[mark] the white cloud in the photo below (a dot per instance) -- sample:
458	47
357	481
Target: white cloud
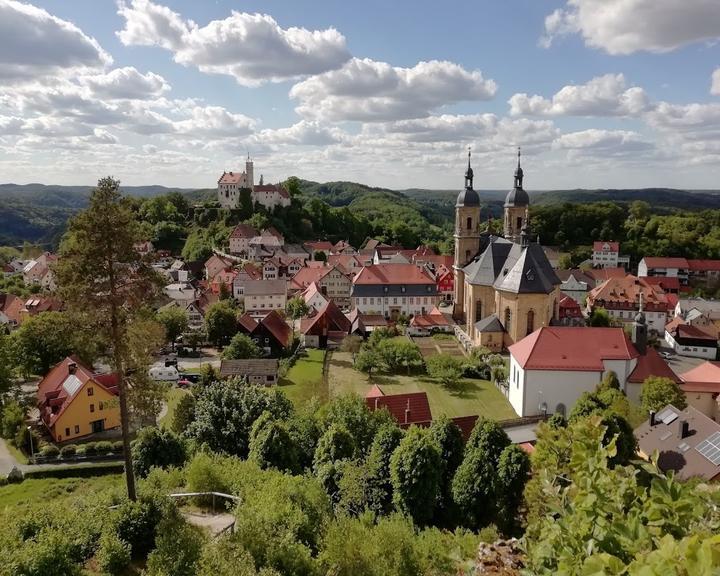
303	133
34	43
126	83
715	83
371	91
627	26
620	143
215	121
687	119
252	48
602	96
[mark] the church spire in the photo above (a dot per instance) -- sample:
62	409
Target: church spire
518	172
469	173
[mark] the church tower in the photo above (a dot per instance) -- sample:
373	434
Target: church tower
467	236
517	203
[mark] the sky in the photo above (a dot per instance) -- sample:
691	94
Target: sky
597	93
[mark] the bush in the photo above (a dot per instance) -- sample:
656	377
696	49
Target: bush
68	451
137	523
50	451
83	471
178	550
90	449
118	447
13	419
104	447
155	447
113	556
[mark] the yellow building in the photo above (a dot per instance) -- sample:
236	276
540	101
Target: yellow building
75	402
500	281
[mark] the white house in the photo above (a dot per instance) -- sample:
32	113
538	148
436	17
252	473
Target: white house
607	255
265	295
239	242
689	340
667	267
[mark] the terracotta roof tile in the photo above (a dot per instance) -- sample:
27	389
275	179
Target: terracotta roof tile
392	274
664	262
651	364
606	246
407	409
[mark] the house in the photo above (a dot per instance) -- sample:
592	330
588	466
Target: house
569	312
687	340
445	280
607	255
669	285
350	264
406	409
426	324
575	283
223	280
270	332
686	441
552	367
621	298
244	274
702	388
10	310
710	308
216	264
332	281
240	239
390	290
264	295
194	313
38	305
343	247
704	271
364	324
326	326
260	371
265	244
183	293
668	267
319	246
38	272
600	275
313	297
75	402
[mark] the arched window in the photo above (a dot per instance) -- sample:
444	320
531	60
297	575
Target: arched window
469	223
530	321
467	255
478	310
560	409
508	319
519	222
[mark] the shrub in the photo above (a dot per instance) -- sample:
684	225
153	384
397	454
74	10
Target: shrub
50	451
104	447
118	447
137	523
155	447
90	449
179	547
68	451
13	419
113	556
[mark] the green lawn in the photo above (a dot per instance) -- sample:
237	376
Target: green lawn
19	455
45	489
468	398
173	397
304	380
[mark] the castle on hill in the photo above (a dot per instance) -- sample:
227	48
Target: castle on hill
231	184
505	287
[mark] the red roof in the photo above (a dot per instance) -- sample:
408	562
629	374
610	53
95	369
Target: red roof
231	177
572	348
323	245
568	303
435	318
651	364
374	392
694	332
278	328
606	246
601	274
466	425
393	274
702	378
307	275
243	231
671	283
247	322
271	188
672	300
60	386
625	293
328	319
412	408
704	265
663	262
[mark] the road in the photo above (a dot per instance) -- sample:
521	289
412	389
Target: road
7	460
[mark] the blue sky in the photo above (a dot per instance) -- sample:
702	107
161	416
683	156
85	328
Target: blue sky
599	93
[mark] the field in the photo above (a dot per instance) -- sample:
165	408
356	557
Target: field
173	397
468	398
430	346
43	489
305	379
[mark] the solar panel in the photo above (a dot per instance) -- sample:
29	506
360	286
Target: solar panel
660	415
670	417
72	384
710	448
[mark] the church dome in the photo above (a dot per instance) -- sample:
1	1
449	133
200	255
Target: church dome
468	197
517	197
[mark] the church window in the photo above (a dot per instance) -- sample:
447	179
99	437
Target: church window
530	321
478	310
508	319
519	222
467	255
469	223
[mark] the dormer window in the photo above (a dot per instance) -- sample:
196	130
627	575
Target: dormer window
402	288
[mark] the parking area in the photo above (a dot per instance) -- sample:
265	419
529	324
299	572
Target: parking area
679	364
430	346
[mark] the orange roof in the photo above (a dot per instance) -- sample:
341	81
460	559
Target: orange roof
651	364
393	274
374	392
271	188
702	378
308	275
434	318
625	292
572	348
243	231
663	262
231	177
601	274
611	246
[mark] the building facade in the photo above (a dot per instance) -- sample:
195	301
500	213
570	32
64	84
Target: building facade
231	186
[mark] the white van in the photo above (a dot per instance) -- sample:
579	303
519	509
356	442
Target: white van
164	373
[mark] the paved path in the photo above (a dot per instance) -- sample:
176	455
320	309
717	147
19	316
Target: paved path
7	460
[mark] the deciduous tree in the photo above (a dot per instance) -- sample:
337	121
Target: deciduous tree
241	347
445	368
221	322
175	322
297	308
658	392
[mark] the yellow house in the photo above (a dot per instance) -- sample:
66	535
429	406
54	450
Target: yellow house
75	402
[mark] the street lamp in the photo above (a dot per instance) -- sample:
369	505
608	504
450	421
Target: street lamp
32	453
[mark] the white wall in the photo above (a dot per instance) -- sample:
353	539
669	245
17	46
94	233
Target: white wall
383	305
692	351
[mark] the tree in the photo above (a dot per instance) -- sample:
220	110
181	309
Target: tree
445	368
600	318
145	395
367	360
351	413
226	411
208	376
320	256
609	382
335	444
272	446
175	322
103	277
658	392
154	447
7	363
221	322
396	354
379	486
415	475
184	414
241	347
297	308
488	437
512	475
473	489
448	438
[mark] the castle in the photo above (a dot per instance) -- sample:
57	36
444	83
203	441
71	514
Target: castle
505	288
231	184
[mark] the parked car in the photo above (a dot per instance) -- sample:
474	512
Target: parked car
184	383
193	378
666	355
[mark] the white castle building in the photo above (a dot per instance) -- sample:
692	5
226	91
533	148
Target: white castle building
231	184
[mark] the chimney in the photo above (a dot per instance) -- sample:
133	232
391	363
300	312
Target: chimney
652	418
72	367
407	412
684	429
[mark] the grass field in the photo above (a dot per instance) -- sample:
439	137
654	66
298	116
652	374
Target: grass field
173	397
468	398
304	380
44	489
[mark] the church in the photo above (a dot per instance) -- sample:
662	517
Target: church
505	287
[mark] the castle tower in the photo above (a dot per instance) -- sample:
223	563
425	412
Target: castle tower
249	173
467	236
517	203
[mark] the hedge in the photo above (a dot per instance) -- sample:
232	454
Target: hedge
80	471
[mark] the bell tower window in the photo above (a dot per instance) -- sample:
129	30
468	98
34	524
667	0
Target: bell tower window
508	319
469	223
530	321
